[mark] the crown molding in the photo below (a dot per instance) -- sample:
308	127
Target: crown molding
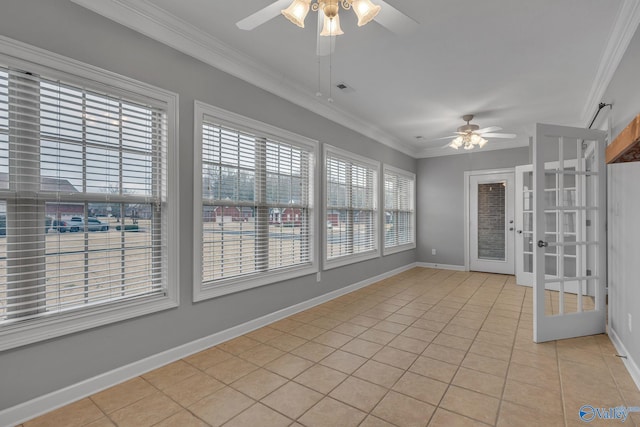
622	32
491	146
156	23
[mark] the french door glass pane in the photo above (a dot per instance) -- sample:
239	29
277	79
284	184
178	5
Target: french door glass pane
491	221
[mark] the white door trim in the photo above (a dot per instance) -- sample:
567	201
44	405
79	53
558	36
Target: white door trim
467	183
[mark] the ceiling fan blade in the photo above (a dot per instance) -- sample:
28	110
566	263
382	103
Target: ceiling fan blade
450	146
325	45
394	20
444	137
489	129
499	135
263	15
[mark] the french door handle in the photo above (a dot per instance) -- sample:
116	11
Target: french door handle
542	244
519	231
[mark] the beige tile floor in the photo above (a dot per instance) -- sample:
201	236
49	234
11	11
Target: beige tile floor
425	347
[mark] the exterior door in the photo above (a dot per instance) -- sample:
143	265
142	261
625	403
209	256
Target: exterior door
491	223
569	244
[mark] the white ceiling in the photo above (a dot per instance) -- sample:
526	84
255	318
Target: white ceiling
512	63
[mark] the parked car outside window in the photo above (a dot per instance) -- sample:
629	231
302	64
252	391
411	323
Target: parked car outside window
3	224
76	223
58	225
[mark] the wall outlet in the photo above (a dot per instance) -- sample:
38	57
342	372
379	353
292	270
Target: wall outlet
630	321
318	276
433	251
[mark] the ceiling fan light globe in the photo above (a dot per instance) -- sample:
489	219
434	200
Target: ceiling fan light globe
297	12
331	26
482	142
456	143
365	11
468	147
475	139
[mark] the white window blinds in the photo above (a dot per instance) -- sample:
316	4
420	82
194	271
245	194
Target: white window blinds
351	205
399	204
82	183
256	203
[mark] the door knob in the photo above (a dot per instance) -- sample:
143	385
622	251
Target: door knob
542	244
519	231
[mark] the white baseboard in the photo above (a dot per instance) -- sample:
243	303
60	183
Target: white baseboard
441	266
43	404
629	363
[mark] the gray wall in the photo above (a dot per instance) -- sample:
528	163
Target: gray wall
624	207
67	29
440	200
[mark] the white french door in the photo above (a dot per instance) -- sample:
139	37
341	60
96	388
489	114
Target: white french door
524	225
569	236
525	220
491	222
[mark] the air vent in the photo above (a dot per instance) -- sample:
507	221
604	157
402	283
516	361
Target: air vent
344	88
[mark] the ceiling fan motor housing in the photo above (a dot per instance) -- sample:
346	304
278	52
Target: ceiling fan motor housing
468	128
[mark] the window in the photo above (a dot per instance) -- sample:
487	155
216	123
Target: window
351	212
399	210
84	212
255	186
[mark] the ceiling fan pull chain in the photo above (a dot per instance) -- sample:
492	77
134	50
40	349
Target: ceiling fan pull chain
318	92
330	100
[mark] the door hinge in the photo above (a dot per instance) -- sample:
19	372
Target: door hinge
588	272
588	223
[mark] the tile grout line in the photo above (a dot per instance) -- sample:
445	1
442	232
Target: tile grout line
368	413
506	376
288	380
467	352
562	397
390	389
458	310
324	395
418	287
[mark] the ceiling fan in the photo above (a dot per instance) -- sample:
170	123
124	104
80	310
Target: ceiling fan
470	135
296	10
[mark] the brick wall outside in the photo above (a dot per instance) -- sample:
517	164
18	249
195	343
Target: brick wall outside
491	221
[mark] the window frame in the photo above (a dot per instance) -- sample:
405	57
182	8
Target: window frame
26	57
406	246
373	164
202	291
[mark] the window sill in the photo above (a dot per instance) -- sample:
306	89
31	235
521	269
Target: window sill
28	332
400	248
350	259
243	283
